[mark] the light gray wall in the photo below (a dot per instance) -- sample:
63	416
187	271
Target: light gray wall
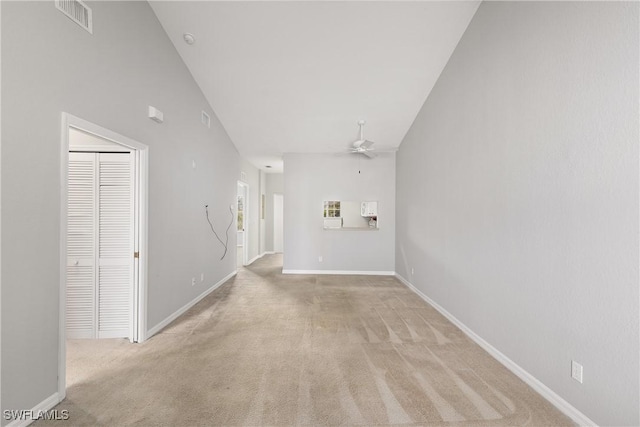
310	179
518	195
50	65
274	185
0	218
252	177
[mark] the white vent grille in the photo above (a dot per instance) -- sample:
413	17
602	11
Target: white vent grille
78	12
206	120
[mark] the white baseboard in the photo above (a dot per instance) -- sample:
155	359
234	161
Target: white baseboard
268	253
341	272
31	415
564	406
255	258
151	332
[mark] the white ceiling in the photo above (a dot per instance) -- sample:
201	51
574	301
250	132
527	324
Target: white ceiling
297	76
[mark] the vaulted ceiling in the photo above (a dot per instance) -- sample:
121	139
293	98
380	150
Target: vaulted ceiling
297	76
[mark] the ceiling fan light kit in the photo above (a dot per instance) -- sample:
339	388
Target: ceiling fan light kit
363	146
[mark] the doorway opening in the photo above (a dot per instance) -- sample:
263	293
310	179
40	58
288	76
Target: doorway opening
242	225
278	223
103	238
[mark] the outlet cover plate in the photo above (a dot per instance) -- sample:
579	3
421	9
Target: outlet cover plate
576	371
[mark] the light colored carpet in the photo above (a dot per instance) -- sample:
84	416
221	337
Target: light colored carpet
268	349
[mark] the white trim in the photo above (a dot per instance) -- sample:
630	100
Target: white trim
151	332
255	258
245	221
341	272
103	133
62	311
0	229
564	406
45	405
143	241
268	253
273	214
142	155
100	148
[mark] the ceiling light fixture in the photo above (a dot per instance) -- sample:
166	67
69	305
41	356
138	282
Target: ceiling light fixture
189	38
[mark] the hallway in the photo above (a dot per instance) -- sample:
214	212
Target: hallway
273	349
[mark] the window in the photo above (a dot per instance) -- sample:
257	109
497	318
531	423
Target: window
240	213
332	209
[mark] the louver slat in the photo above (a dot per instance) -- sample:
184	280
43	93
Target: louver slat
78	12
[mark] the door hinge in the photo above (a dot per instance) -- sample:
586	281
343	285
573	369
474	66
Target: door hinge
136	254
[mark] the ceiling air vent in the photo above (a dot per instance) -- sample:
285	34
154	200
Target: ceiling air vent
206	120
78	12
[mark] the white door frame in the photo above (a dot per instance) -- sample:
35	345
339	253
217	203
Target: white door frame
141	151
245	223
281	225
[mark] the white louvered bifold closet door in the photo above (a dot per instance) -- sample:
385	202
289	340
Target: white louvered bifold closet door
115	245
100	245
81	243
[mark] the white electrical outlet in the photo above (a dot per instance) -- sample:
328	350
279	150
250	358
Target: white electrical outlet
576	371
202	277
320	258
412	271
193	281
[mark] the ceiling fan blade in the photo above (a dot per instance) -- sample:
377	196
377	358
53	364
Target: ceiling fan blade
366	144
369	154
358	143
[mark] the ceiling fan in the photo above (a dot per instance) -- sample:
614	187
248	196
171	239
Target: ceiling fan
363	146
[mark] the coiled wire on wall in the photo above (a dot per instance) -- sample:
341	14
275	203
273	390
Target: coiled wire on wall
225	244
